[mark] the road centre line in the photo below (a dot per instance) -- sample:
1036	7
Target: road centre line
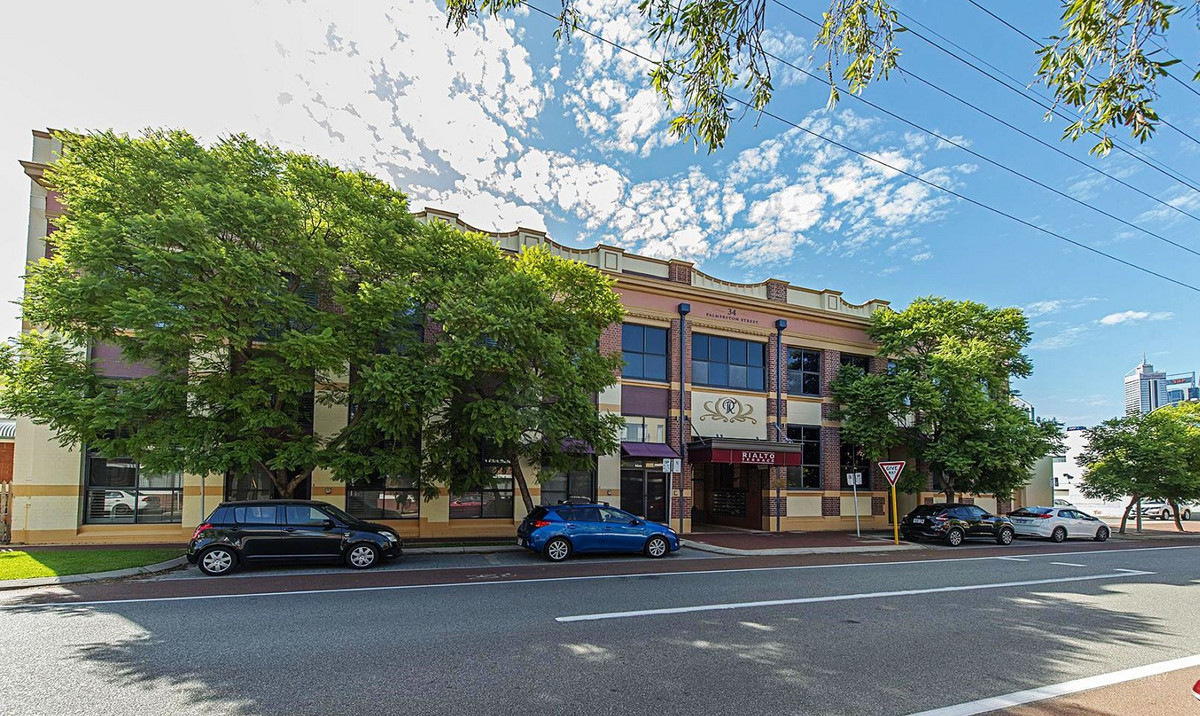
837	598
401	587
1068	564
1017	698
1014	559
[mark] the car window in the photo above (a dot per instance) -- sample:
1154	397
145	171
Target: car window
608	514
959	513
977	511
586	514
1086	516
304	516
255	515
1032	511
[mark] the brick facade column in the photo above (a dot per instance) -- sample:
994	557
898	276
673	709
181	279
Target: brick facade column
831	438
610	342
777	290
776	371
679	426
680	271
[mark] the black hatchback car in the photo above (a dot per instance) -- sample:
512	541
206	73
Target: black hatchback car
277	531
953	523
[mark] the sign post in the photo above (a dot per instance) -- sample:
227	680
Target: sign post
855	479
892	470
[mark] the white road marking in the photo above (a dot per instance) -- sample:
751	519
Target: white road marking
1118	569
798	567
1013	559
1068	564
1067	687
836	598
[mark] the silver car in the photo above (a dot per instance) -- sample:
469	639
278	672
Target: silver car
1057	523
1157	509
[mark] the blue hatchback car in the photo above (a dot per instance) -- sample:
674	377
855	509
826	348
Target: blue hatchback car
558	531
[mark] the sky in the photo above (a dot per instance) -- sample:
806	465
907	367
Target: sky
508	126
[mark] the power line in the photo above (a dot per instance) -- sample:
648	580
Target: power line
1037	43
992	161
1058	150
886	165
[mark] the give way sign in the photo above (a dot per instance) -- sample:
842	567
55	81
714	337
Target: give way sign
892	470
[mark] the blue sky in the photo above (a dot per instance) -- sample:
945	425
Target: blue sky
506	126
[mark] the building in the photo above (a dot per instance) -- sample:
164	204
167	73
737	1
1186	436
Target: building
1145	389
1068	476
1181	388
728	381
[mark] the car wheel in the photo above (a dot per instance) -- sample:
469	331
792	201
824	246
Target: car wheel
217	561
557	549
656	547
954	537
1166	515
1059	534
1187	514
362	556
1005	536
1101	535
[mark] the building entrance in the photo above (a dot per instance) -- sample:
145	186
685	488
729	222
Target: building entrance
644	492
732	495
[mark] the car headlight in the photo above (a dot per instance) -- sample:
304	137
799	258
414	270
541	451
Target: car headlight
389	537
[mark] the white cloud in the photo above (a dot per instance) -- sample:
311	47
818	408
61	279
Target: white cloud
1055	305
1114	319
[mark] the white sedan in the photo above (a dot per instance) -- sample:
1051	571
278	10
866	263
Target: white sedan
1057	523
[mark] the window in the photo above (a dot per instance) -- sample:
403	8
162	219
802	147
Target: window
305	516
608	514
853	460
258	485
256	515
803	372
863	363
808	475
118	490
384	498
582	514
576	486
644	349
640	429
728	362
493	501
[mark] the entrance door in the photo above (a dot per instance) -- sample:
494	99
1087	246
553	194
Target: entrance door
644	493
733	496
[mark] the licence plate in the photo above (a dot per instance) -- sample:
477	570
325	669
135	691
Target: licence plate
918	520
521	541
1022	522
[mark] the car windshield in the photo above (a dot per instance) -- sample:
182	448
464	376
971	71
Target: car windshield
1033	511
924	510
340	514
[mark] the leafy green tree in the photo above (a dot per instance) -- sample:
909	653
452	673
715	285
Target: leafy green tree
1151	456
1105	62
250	281
945	400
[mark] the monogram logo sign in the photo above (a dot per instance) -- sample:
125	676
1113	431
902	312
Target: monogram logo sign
729	410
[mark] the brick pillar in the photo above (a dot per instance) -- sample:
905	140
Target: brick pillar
1003	507
774	369
879	364
831	469
679	271
678	426
777	290
831	362
610	342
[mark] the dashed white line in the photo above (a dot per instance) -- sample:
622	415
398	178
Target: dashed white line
835	598
1069	564
1017	698
1013	559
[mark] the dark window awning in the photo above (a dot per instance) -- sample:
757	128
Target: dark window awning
731	451
649	451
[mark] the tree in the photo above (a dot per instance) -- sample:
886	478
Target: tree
945	399
1156	456
1105	62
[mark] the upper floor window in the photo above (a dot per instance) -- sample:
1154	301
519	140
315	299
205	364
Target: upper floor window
728	362
644	349
639	429
863	363
803	372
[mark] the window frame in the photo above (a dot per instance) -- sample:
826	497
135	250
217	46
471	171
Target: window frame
627	330
801	373
174	493
483	492
379	484
704	368
809	463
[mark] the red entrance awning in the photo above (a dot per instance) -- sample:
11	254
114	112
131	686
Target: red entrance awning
745	452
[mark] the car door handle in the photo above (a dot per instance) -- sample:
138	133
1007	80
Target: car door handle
289	529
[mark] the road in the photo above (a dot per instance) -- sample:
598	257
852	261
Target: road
877	634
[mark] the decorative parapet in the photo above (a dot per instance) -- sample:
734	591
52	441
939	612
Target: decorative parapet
830	300
752	290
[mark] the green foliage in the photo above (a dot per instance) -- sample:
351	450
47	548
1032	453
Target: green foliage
946	400
242	276
1154	456
713	57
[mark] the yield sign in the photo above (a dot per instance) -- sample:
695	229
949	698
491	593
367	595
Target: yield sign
892	470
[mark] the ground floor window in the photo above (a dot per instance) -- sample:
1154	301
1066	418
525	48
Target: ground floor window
384	498
854	460
808	475
494	500
258	485
576	486
118	490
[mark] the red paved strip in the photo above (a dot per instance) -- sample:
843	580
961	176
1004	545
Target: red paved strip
788	540
537	569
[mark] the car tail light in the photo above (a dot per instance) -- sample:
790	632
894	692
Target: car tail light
1045	516
541	523
941	518
200	529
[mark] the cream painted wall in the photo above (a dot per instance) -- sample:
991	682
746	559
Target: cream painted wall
804	505
729	415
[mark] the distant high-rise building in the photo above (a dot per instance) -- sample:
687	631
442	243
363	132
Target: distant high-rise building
1181	387
1145	389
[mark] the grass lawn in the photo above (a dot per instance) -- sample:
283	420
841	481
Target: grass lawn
15	564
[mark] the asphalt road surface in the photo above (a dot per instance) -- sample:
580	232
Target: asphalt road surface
899	634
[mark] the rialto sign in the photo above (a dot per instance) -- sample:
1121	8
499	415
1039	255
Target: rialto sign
757	457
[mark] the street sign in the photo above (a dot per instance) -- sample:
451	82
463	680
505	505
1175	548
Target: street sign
666	465
676	464
892	470
854	479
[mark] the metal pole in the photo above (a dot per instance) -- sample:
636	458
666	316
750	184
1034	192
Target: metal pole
895	517
1139	515
684	310
857	528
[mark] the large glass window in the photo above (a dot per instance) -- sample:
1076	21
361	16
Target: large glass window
384	498
493	501
576	486
644	349
808	475
863	363
118	490
639	429
258	485
854	460
803	372
728	362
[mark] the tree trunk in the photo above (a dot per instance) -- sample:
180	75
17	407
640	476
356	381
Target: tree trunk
947	486
519	477
1175	514
1125	514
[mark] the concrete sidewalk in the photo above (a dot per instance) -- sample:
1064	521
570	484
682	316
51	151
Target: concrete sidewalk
748	543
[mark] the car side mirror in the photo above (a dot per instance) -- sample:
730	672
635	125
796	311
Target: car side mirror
329	524
635	522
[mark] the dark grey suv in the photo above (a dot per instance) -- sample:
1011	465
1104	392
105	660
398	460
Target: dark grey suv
279	531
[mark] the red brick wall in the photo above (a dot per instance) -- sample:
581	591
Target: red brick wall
6	461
